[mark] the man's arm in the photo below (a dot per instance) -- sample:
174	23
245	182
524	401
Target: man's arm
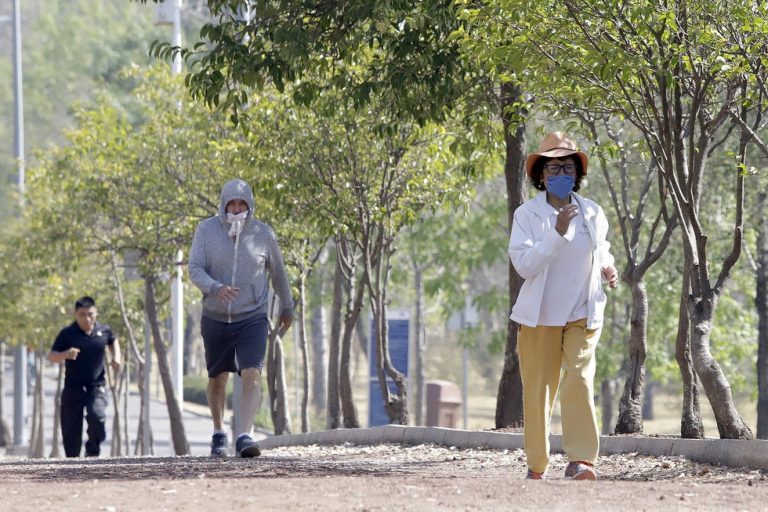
280	283
59	357
61	350
197	264
116	358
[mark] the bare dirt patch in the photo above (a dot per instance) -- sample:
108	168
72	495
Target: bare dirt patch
385	477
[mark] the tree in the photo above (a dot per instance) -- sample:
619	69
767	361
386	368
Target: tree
489	26
5	430
45	291
408	57
366	188
318	286
760	267
396	52
683	74
138	189
632	222
454	257
71	49
276	384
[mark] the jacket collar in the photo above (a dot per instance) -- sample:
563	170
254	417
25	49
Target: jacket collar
543	209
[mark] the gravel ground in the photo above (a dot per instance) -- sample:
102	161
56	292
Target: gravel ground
384	477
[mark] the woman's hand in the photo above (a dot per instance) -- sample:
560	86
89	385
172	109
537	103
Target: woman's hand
564	218
611	276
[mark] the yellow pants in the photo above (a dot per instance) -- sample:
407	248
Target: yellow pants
543	351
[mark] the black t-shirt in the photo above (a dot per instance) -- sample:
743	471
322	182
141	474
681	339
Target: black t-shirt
88	368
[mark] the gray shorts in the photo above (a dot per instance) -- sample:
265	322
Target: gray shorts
232	347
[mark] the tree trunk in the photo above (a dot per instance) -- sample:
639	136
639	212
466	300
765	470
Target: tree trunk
126	393
761	305
702	301
191	326
40	378
142	368
334	409
35	426
396	406
116	381
319	363
648	396
143	439
362	337
609	384
509	401
37	438
419	343
178	434
606	400
729	423
5	430
304	354
139	447
278	390
631	403
56	443
691	426
354	306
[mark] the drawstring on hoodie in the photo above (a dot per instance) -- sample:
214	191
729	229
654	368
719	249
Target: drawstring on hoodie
236	221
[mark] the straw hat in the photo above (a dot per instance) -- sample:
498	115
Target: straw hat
556	145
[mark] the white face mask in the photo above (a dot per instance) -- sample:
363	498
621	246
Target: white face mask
236	221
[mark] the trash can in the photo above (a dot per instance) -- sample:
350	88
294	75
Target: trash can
443	404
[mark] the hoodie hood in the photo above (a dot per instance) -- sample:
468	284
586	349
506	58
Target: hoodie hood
235	189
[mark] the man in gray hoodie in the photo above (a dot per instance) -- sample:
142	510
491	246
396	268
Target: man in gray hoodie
232	257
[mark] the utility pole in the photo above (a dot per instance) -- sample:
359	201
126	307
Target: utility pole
177	284
169	13
20	358
176	41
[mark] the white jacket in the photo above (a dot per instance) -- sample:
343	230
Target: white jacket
534	243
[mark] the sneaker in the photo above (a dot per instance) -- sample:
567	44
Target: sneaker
219	445
533	475
580	470
247	447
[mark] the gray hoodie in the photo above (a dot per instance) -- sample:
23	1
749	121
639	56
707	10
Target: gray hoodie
213	258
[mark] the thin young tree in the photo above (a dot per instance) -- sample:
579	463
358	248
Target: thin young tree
683	74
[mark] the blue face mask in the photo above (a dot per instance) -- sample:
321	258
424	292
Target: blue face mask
560	186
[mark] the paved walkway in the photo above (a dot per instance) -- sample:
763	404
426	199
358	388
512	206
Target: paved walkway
197	422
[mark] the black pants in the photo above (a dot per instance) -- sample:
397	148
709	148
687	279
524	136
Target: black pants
74	399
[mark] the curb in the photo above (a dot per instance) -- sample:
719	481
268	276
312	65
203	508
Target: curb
727	452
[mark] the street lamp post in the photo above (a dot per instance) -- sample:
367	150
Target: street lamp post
20	359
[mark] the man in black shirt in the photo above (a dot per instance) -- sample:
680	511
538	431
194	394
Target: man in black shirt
82	345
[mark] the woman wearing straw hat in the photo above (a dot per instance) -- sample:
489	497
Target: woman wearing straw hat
558	245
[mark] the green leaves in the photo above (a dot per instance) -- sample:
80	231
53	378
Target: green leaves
401	51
